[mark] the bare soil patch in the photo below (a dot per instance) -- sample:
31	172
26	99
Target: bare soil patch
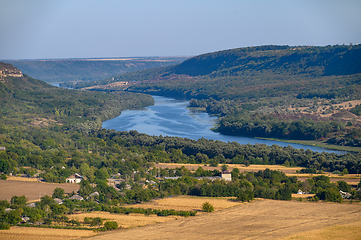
340	111
262	219
32	190
30	233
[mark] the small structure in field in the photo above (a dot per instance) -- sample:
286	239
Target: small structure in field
31	205
77	197
300	192
226	175
58	200
75	178
345	194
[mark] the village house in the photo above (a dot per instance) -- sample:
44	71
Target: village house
75	178
226	175
300	192
58	200
76	197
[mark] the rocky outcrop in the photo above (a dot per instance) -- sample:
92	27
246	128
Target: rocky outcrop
8	70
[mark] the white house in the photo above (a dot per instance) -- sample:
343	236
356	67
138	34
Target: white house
75	178
226	175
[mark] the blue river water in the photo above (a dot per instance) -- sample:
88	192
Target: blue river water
170	117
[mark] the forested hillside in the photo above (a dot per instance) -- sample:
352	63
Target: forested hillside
302	92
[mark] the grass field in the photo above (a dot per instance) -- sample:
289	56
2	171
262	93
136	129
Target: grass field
43	233
261	219
124	220
32	190
188	203
22	179
350	231
241	167
352	179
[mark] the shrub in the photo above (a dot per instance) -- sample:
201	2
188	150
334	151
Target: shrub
87	220
3	177
245	195
110	225
207	207
96	221
4	225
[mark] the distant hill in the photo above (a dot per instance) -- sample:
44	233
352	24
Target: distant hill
253	72
325	61
25	99
65	70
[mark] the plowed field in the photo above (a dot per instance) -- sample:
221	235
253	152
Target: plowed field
32	190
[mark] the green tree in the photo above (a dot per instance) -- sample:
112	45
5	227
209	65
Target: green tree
59	193
245	195
18	200
109	225
343	186
101	174
207	207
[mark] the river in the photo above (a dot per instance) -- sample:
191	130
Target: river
170	117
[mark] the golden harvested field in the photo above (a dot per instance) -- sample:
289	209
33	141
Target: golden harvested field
43	233
241	167
261	219
32	190
350	231
188	203
350	181
22	179
295	195
124	220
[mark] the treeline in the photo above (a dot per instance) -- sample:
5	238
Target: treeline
273	127
351	138
175	149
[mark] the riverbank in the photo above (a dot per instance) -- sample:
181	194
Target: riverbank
171	117
318	144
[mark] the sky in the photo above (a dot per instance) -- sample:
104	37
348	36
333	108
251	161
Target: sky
48	29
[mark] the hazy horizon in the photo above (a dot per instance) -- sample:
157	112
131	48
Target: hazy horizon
41	29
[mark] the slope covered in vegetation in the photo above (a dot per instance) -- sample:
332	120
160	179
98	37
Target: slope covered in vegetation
304	92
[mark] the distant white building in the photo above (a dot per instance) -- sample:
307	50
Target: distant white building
77	197
300	191
75	178
226	175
